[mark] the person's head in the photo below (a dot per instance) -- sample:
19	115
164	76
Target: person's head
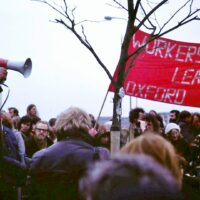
41	130
136	114
172	130
6	119
196	120
52	131
174	116
159	148
52	122
153	112
103	136
152	123
16	120
185	116
72	122
25	125
32	110
93	120
13	112
137	177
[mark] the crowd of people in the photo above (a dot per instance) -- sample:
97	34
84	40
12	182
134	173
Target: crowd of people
68	156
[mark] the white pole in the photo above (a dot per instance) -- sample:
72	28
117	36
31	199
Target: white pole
101	109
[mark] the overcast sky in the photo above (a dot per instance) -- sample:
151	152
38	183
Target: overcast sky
64	73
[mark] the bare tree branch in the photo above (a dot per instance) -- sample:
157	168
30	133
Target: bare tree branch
147	21
71	27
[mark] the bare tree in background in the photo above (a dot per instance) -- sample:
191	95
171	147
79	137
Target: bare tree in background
140	14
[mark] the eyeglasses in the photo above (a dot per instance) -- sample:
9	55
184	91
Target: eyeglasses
41	129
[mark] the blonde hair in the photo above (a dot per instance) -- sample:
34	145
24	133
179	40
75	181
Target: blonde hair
157	147
72	121
6	119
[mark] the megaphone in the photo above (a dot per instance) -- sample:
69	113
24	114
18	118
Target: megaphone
23	67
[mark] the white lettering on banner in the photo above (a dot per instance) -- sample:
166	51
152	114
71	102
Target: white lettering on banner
169	50
163	49
167	95
186	77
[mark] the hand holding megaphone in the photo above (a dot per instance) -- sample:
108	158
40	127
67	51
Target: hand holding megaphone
3	74
23	67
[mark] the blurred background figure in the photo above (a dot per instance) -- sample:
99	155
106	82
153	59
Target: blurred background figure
52	131
174	136
136	122
14	114
174	116
185	119
196	124
137	177
152	123
103	137
32	112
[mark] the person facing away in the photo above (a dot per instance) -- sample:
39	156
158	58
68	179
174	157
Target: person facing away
159	148
128	177
56	170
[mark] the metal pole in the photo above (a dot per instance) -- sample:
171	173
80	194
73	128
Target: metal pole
101	109
130	100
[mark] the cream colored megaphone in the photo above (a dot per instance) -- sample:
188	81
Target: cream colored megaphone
23	67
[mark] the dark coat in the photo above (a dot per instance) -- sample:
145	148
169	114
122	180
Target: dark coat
32	147
55	171
12	171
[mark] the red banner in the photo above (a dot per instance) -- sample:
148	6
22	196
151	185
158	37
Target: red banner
166	71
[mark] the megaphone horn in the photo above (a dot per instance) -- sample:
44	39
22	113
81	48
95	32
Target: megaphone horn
23	67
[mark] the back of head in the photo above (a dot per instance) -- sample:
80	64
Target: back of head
72	121
183	115
157	147
137	177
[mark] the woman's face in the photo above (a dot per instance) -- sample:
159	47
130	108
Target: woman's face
149	126
25	127
33	111
174	135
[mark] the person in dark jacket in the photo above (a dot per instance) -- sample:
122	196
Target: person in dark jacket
12	170
56	170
